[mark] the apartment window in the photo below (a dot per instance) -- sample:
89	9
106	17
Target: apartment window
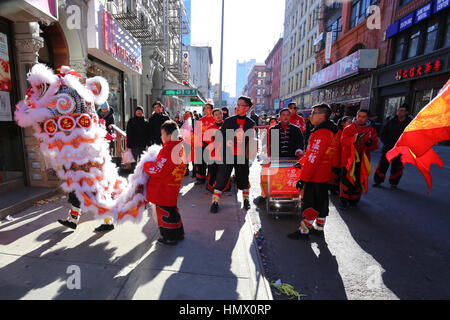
335	27
359	11
414	43
259	91
431	36
400	44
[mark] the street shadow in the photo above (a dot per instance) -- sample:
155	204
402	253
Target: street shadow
307	265
197	268
411	268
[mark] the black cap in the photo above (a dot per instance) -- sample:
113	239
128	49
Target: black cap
139	108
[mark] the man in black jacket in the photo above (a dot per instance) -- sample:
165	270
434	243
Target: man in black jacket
288	143
237	151
154	124
107	113
390	133
137	133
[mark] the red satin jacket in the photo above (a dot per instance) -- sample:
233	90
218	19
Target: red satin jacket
166	174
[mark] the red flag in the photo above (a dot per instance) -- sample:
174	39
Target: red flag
430	126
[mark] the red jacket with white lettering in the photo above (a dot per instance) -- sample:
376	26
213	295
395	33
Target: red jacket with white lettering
166	174
298	121
318	159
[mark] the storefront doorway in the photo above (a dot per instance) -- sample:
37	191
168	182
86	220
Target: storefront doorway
12	166
391	104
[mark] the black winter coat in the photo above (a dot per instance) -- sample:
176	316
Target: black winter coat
391	131
296	140
154	128
108	117
137	129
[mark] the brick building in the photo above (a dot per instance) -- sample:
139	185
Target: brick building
350	46
418	56
256	85
273	78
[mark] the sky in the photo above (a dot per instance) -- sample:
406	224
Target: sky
251	30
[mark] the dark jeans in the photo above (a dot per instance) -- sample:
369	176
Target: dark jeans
383	166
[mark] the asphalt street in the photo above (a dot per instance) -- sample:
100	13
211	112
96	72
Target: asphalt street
394	245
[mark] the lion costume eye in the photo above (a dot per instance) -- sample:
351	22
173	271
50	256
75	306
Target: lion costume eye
43	88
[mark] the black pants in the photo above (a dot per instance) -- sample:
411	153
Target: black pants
199	163
73	200
169	222
315	196
137	152
212	178
242	172
383	166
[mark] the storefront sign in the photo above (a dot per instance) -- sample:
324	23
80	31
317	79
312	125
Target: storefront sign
406	22
328	44
344	67
185	63
179	92
392	30
419	70
348	91
440	5
5	68
423	13
48	7
121	44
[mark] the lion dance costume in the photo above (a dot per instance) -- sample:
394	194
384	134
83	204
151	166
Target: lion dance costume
62	112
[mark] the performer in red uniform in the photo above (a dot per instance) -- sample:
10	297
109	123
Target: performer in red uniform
357	140
202	125
295	118
164	185
337	165
316	172
214	157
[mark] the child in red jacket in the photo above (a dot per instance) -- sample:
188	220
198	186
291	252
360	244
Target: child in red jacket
164	185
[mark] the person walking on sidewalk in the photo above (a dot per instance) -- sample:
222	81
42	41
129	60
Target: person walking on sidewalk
237	153
390	133
163	188
154	124
315	174
137	133
200	144
213	146
357	141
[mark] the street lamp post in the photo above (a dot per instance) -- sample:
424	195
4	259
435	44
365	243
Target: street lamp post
221	59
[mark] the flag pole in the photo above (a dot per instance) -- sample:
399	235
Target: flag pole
221	59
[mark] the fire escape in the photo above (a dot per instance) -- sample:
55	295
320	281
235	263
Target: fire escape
158	24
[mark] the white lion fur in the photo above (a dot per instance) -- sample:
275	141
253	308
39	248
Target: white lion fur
100	98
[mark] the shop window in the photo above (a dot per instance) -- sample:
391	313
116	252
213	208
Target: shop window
399	49
391	105
422	98
414	43
431	36
403	2
447	33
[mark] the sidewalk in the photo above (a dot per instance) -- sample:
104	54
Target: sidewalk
217	260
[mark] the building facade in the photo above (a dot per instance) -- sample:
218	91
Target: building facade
301	28
351	45
242	71
273	78
200	59
134	44
418	57
256	86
